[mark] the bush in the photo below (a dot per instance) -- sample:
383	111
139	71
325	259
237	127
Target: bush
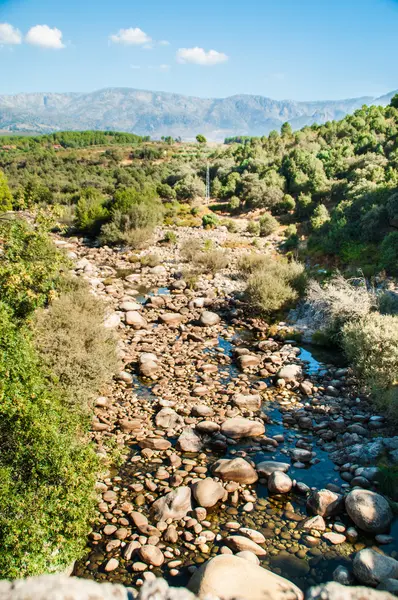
273	283
388	303
268	224
47	471
337	302
190	249
90	213
150	260
29	268
170	237
389	252
231	226
234	204
253	227
5	194
209	221
319	217
74	345
211	261
371	345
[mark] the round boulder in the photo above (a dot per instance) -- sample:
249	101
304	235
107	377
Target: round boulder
208	492
279	483
208	318
369	511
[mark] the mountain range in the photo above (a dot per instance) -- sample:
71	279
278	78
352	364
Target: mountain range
161	113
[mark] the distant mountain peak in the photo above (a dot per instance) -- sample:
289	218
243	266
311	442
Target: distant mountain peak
155	113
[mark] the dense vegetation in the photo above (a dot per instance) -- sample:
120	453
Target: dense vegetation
71	139
47	468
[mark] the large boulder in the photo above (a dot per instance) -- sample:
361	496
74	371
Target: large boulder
369	511
241	543
208	318
228	577
175	505
325	503
235	469
208	492
171	319
238	427
266	467
289	373
279	483
247	401
371	567
148	364
167	418
190	441
135	320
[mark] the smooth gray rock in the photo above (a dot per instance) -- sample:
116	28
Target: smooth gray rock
175	505
369	511
371	567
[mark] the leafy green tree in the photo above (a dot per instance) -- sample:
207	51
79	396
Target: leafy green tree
268	224
394	101
201	139
319	217
286	130
5	194
90	211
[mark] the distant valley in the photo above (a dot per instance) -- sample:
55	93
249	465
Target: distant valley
160	114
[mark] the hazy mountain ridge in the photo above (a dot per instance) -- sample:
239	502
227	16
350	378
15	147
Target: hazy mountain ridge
162	113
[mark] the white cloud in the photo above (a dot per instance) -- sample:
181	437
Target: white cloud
199	56
164	43
134	36
45	37
9	34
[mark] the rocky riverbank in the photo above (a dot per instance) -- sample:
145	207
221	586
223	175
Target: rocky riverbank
230	445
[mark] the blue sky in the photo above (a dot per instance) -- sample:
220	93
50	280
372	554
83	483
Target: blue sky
298	49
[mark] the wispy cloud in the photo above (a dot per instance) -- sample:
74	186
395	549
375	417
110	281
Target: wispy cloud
199	56
134	36
9	35
45	37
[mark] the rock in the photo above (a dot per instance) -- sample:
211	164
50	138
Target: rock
343	575
247	555
240	543
235	469
369	511
266	467
135	320
149	364
111	565
112	321
317	523
289	373
238	427
201	410
301	455
151	555
167	418
190	441
389	585
334	538
247	402
279	483
371	567
129	305
247	361
155	443
228	577
175	505
207	427
171	319
254	535
208	492
208	319
325	503
128	425
61	587
335	591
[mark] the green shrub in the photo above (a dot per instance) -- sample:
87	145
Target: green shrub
388	303
190	249
150	260
73	344
170	237
90	212
234	204
319	217
371	345
389	252
268	224
211	261
5	194
209	221
231	226
253	227
272	283
47	470
29	268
